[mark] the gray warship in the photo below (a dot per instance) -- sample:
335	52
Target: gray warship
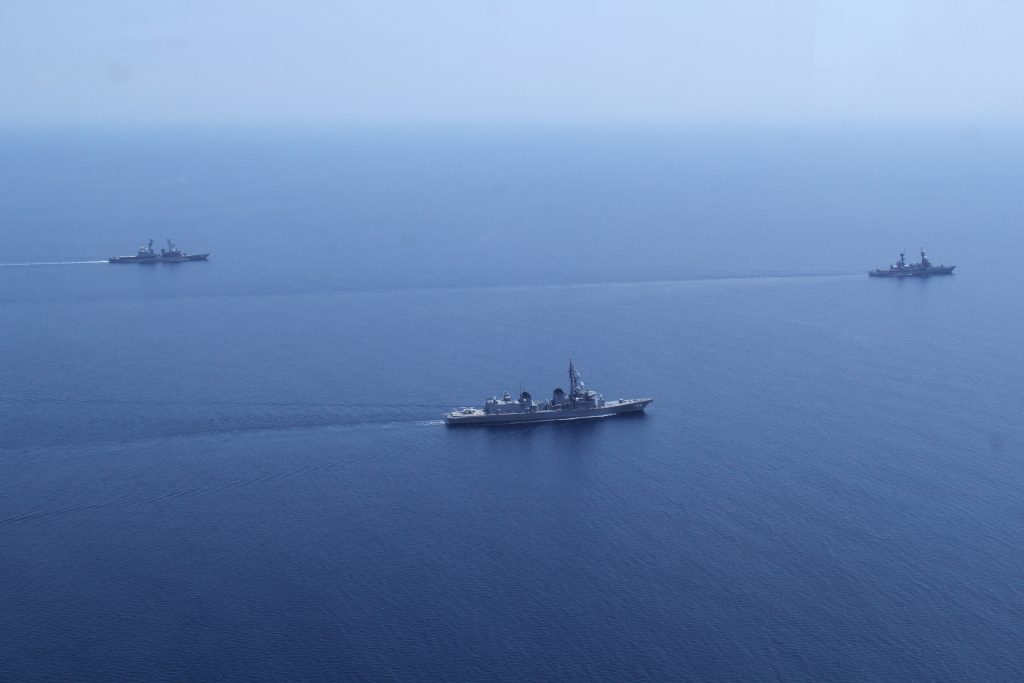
903	269
147	254
579	403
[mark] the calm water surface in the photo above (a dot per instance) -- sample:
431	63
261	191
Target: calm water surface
236	469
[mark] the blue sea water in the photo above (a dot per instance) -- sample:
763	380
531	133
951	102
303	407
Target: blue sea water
237	469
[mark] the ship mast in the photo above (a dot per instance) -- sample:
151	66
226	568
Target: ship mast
575	382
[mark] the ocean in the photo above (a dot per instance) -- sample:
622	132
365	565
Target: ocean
238	469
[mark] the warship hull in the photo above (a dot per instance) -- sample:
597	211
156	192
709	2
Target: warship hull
912	272
475	416
158	259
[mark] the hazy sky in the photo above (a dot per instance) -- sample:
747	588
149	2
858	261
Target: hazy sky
322	61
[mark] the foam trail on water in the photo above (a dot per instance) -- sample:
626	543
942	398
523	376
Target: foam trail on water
48	263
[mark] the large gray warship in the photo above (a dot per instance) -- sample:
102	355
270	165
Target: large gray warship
903	269
579	403
147	254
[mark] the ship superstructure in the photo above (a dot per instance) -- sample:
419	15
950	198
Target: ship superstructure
580	402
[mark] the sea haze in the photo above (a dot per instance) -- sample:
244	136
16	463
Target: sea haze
237	468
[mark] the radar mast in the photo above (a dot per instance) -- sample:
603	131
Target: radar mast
575	382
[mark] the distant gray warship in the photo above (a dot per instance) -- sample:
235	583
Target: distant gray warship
904	269
169	255
580	403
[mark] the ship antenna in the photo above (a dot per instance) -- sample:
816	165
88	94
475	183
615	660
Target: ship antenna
575	385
